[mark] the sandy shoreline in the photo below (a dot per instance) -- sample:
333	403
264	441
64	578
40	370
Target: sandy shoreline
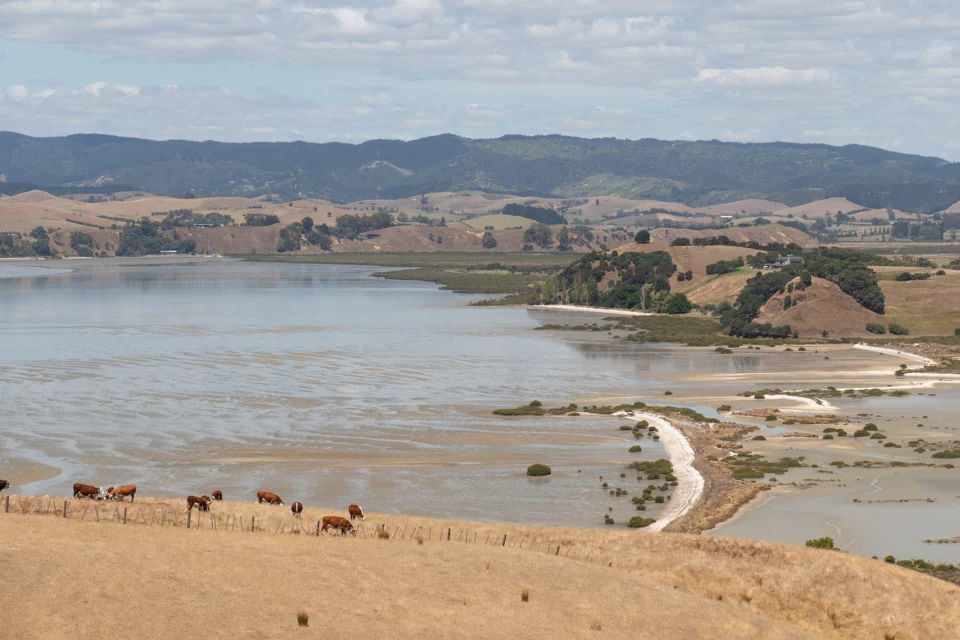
690	483
896	352
603	310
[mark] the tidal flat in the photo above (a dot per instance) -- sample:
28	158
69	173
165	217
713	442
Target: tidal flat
329	385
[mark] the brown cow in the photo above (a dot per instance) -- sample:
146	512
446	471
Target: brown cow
119	493
356	511
269	497
339	523
4	484
202	503
81	490
297	509
218	495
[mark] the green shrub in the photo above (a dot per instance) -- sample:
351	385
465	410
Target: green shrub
638	522
635	449
948	454
825	542
898	329
626	427
538	470
828	436
759	438
535	408
875	327
770	418
724	407
607	519
870	427
659	499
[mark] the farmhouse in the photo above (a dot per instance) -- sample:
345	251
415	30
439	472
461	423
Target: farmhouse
783	261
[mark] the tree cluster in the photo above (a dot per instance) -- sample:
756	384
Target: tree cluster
535	213
145	237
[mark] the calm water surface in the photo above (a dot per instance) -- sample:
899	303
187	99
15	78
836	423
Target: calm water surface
326	385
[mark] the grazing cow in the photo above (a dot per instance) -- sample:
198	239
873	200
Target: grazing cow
297	509
202	503
338	523
81	490
218	495
269	497
356	511
124	490
4	484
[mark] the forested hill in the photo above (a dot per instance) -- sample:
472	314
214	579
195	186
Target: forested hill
695	173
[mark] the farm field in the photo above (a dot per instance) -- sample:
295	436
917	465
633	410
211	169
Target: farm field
169	581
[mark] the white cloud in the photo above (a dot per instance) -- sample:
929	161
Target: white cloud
764	77
765	69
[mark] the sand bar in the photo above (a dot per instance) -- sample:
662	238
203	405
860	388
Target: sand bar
690	483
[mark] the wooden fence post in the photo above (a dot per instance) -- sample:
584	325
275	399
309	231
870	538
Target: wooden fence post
64	508
7	508
253	523
189	516
318	528
124	514
448	534
504	540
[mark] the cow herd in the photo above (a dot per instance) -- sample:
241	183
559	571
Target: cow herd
202	503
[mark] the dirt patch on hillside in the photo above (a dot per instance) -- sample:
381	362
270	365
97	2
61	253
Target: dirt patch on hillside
820	307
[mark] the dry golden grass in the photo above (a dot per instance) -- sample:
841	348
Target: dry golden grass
926	307
821	307
87	580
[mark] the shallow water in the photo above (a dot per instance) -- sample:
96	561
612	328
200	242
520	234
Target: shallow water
317	381
330	386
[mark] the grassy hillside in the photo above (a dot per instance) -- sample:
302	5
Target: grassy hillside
165	581
700	173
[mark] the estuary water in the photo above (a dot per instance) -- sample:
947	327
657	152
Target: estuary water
329	386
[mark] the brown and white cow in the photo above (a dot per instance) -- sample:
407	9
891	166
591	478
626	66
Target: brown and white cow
338	523
218	495
4	484
269	497
202	503
124	490
356	511
81	490
296	508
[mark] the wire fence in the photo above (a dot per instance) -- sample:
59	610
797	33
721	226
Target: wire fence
168	515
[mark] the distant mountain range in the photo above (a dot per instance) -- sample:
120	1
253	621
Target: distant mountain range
695	173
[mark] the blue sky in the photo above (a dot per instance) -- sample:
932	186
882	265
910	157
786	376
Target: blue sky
884	73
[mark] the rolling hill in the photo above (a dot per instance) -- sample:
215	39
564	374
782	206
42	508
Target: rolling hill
694	173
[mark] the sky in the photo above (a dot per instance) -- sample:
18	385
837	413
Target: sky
879	72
